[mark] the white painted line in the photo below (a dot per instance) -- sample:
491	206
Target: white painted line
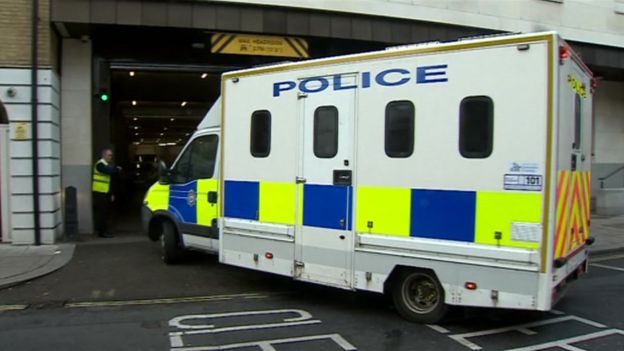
565	343
4	308
164	301
606	258
607	267
465	342
462	338
176	340
526	331
557	312
245	327
570	348
267	345
177	321
438	328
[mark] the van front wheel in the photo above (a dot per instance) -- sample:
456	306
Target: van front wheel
171	250
419	297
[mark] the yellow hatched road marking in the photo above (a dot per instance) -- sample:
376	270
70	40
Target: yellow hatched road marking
164	301
4	308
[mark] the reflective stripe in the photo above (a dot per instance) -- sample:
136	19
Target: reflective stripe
157	198
443	214
573	202
241	199
277	202
383	210
206	211
497	211
101	181
327	206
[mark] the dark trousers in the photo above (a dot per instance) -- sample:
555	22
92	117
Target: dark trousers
101	205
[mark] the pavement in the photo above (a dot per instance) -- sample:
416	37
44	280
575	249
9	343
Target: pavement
22	263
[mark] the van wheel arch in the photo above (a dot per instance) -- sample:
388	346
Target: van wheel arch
401	286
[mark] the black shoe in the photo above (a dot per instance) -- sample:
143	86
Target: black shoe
106	235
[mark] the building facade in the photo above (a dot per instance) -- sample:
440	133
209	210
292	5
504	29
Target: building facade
87	49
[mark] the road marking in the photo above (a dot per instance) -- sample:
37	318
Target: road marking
606	258
177	321
267	345
463	338
565	343
608	267
4	308
438	328
164	301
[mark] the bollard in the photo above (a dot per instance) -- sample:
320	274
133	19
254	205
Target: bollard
71	214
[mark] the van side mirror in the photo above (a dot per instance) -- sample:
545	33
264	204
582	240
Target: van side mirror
163	172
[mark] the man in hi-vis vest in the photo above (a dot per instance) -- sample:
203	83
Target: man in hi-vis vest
102	196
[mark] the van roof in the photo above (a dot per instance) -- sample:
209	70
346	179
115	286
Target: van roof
403	50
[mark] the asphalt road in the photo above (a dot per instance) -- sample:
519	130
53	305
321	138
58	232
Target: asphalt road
97	303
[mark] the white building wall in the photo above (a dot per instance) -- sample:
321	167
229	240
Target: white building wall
76	116
591	21
609	133
18	106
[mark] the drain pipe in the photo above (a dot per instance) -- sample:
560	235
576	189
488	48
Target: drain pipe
35	119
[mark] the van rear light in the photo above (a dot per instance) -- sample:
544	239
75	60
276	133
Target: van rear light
470	286
268	255
564	52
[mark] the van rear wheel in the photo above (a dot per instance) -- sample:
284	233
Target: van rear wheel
419	297
171	249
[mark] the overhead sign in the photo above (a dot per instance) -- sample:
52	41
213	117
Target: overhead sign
262	45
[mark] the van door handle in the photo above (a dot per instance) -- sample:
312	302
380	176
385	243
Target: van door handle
212	197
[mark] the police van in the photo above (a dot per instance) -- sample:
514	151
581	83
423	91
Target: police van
442	174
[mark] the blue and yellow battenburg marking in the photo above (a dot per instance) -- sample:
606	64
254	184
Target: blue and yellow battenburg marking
324	206
467	216
188	203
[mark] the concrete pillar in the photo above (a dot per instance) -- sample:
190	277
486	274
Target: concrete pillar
76	97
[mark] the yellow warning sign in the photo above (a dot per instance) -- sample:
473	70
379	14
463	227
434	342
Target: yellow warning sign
20	132
262	45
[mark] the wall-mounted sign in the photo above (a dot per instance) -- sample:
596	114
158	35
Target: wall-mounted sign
20	131
262	45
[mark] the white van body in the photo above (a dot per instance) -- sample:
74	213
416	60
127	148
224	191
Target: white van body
467	162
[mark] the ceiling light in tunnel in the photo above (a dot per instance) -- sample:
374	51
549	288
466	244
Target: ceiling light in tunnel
161	134
173	119
136	134
187	134
131	73
183	103
165	128
134	119
133	102
204	75
136	127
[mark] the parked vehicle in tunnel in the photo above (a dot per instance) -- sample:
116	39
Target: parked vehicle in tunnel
445	174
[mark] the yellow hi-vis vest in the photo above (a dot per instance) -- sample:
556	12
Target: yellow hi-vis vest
101	181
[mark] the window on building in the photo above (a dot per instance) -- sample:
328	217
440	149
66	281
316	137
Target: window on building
261	133
577	122
197	161
325	132
399	129
476	126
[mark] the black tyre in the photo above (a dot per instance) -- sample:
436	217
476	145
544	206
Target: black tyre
419	297
172	251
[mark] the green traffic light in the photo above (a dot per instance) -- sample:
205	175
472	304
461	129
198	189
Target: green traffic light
104	97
